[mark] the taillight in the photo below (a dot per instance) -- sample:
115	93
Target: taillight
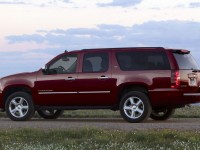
175	79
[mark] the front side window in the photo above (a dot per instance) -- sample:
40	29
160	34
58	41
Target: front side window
142	60
95	62
65	64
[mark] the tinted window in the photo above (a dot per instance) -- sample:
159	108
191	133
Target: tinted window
186	61
143	60
65	64
95	62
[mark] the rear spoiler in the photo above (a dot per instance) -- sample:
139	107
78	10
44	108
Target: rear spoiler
181	51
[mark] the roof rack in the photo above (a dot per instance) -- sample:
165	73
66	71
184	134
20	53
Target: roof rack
124	48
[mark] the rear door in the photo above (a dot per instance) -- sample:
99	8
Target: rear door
95	83
188	70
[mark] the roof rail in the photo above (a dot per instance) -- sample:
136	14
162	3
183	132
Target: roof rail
125	48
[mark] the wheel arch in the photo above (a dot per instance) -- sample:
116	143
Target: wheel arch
15	88
125	88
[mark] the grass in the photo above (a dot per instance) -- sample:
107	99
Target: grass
99	139
186	112
91	138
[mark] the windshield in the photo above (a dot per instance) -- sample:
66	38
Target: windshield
186	61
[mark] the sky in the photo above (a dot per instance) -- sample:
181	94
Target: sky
33	32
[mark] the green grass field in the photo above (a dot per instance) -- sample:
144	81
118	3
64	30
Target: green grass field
93	139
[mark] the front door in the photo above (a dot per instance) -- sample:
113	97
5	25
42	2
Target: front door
57	87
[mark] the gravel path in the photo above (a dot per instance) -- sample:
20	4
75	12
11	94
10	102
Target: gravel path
108	123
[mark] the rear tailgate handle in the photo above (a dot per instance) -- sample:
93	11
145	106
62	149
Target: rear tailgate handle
70	79
103	77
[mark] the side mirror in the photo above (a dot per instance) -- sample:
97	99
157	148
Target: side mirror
44	70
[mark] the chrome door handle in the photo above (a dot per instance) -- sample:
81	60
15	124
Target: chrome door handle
70	79
103	77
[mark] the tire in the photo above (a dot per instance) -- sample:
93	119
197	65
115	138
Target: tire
135	107
162	114
19	106
50	114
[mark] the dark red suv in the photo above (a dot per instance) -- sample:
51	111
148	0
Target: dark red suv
140	82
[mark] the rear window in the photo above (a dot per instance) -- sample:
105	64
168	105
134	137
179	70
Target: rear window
186	61
141	60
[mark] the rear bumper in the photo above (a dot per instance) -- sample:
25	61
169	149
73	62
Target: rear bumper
172	97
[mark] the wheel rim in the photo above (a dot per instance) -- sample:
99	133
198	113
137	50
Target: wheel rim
133	107
18	107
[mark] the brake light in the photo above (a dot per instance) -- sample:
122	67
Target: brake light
175	79
181	51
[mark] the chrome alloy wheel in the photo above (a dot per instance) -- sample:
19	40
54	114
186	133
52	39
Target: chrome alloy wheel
133	107
18	107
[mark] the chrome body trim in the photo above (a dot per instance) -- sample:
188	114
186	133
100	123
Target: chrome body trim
163	90
84	92
70	79
90	92
191	94
57	93
103	77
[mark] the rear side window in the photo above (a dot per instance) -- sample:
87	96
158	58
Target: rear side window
95	62
142	60
186	61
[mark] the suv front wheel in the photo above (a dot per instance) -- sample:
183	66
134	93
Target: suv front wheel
19	106
135	107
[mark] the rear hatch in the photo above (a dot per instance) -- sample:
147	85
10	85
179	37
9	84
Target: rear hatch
187	77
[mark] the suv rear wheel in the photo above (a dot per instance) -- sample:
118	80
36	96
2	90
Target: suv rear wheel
135	107
19	106
50	114
162	114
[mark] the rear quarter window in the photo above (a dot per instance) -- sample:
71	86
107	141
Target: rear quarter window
186	61
142	60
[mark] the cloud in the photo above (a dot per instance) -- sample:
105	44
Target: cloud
28	38
42	3
195	4
66	1
164	33
11	2
122	3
